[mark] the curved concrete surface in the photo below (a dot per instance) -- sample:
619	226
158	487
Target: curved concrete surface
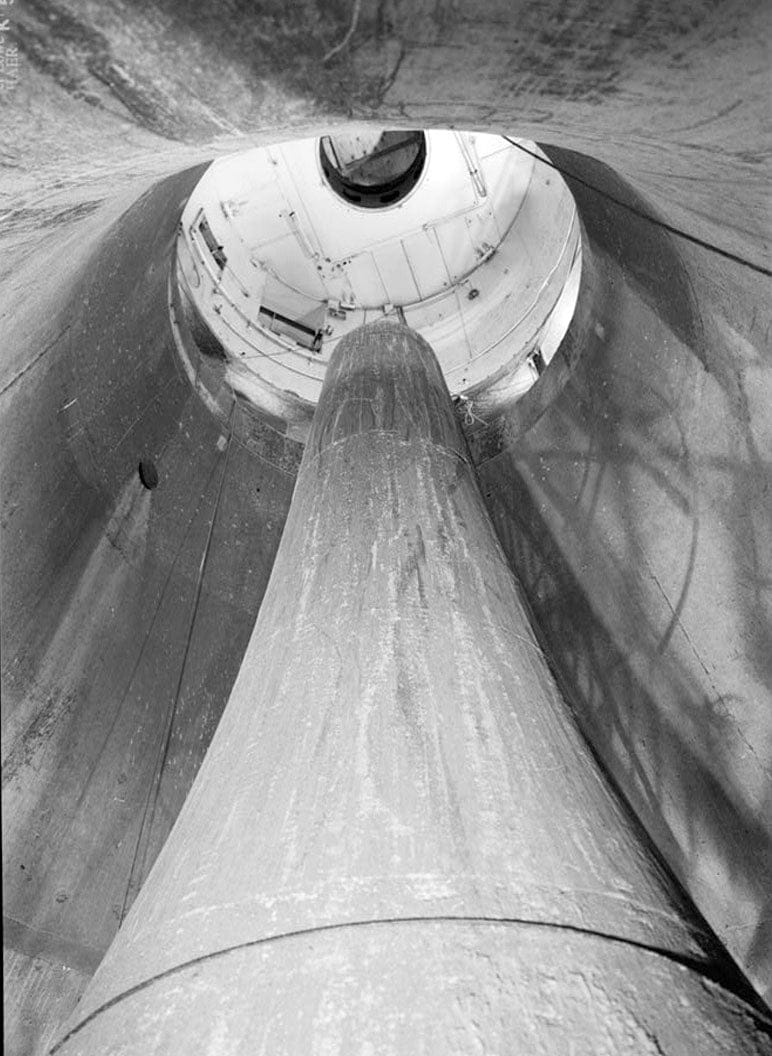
396	758
635	508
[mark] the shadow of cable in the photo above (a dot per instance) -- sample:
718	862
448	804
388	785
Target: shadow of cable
659	769
632	511
624	226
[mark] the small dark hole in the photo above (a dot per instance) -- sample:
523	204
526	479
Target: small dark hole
148	474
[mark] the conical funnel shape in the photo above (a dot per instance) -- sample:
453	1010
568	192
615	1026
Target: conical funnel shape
398	841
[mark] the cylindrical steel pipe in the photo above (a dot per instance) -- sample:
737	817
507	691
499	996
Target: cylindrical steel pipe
398	841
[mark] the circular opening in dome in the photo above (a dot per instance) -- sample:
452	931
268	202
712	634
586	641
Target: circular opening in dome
469	238
373	170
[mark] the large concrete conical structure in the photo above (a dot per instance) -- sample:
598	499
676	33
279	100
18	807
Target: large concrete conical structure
630	494
399	841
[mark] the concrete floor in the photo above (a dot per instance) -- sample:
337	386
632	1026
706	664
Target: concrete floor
635	507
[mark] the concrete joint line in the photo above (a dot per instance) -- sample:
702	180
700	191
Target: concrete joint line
692	964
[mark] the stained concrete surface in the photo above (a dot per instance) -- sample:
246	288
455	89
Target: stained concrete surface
101	732
635	511
393	636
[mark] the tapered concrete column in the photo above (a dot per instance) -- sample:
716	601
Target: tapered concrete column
398	842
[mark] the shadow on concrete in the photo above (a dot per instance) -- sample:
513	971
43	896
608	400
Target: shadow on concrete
653	762
646	253
629	514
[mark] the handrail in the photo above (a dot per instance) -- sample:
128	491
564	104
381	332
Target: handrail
285	346
221	292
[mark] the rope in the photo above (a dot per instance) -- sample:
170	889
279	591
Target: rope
469	416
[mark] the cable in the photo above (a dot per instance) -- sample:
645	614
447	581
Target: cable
146	638
642	215
151	802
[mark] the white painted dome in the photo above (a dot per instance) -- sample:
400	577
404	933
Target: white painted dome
480	253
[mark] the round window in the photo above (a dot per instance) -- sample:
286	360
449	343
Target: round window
373	170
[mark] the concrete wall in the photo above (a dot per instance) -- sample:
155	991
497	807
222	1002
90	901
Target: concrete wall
636	510
637	514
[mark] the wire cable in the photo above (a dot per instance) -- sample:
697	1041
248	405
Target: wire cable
151	802
641	214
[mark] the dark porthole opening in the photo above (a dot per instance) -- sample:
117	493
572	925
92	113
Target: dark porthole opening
148	474
373	170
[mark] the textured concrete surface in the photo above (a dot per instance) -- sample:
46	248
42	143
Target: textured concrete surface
396	757
114	672
635	514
